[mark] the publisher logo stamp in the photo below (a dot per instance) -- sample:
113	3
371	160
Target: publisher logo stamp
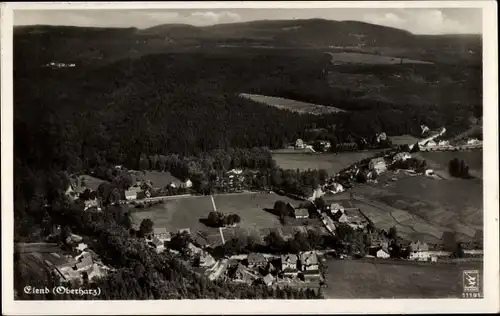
471	284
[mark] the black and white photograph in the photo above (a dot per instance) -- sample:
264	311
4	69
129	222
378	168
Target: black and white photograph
263	151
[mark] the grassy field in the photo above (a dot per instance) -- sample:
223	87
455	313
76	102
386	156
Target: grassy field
372	59
440	160
177	213
292	105
403	140
186	212
332	163
250	207
383	279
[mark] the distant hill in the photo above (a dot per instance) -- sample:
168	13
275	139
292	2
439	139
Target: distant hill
43	43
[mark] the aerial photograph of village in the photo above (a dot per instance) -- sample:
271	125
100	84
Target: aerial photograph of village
248	154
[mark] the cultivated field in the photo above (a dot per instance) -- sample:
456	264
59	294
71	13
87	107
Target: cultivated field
423	208
292	105
395	279
372	59
332	163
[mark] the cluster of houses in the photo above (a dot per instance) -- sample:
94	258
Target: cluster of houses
271	270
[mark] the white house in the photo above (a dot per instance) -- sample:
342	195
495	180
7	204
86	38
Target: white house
299	144
131	193
444	143
188	183
381	253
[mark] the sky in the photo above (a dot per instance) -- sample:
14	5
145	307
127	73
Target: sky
415	20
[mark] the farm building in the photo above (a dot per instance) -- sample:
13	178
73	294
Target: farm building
309	261
474	141
218	270
256	260
378	165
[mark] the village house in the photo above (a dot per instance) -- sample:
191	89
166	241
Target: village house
268	279
419	251
289	265
309	261
161	233
187	184
256	260
131	193
218	270
378	165
299	144
301	213
329	224
243	274
83	261
381	137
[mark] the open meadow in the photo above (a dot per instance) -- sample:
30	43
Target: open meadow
177	213
186	212
439	160
292	105
330	162
366	279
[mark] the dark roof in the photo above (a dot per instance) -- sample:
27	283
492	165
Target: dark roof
289	257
